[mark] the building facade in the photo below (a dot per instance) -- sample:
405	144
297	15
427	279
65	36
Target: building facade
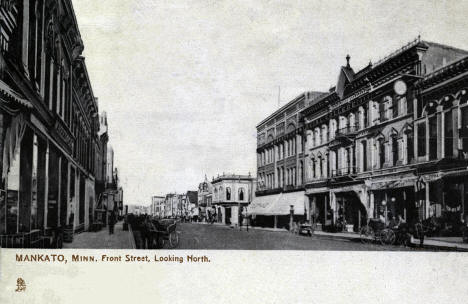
231	193
280	165
157	206
205	198
386	140
49	122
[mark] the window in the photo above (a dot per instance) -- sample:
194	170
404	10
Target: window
365	114
348	160
433	137
409	147
241	194
364	155
421	139
382	112
464	130
319	166
324	134
381	144
278	176
301	172
313	167
395	107
317	137
394	150
448	133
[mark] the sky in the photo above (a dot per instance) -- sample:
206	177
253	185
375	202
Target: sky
184	83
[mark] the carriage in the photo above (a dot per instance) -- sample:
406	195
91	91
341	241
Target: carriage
165	234
376	231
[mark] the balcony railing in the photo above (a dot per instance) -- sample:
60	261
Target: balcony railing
347	131
345	171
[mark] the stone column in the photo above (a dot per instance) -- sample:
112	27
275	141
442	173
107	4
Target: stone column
427	204
371	204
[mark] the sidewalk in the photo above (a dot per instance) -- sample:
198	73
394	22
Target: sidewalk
453	244
103	240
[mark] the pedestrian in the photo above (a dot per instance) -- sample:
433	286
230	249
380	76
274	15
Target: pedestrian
149	230
240	218
111	222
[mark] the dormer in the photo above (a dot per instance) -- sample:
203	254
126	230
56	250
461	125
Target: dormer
346	76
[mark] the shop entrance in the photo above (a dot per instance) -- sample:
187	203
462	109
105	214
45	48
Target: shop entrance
396	202
322	213
351	210
228	215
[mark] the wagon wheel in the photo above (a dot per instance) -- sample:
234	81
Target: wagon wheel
367	235
173	239
387	237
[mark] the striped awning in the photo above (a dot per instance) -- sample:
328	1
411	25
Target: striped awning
278	204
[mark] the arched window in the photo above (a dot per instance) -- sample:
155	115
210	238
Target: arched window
324	133
301	172
216	194
394	151
332	129
314	172
317	137
351	122
319	166
381	144
241	194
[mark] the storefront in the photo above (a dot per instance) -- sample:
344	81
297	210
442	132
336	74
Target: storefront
277	211
395	198
446	201
321	212
350	212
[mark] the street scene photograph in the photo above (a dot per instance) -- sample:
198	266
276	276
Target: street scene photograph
226	125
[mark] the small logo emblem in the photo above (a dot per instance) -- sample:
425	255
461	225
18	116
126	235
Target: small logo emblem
20	285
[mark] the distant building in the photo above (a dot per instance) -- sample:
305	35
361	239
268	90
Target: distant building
205	191
191	201
157	206
231	193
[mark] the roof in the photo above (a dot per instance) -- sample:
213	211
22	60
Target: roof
312	94
232	177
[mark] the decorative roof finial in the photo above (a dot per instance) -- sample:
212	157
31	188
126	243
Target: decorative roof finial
347	60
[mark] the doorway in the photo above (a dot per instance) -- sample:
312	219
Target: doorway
228	215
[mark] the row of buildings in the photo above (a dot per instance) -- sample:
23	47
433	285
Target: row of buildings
56	165
221	198
388	140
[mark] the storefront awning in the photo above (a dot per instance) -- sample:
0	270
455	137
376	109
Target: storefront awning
278	204
399	183
460	173
8	92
